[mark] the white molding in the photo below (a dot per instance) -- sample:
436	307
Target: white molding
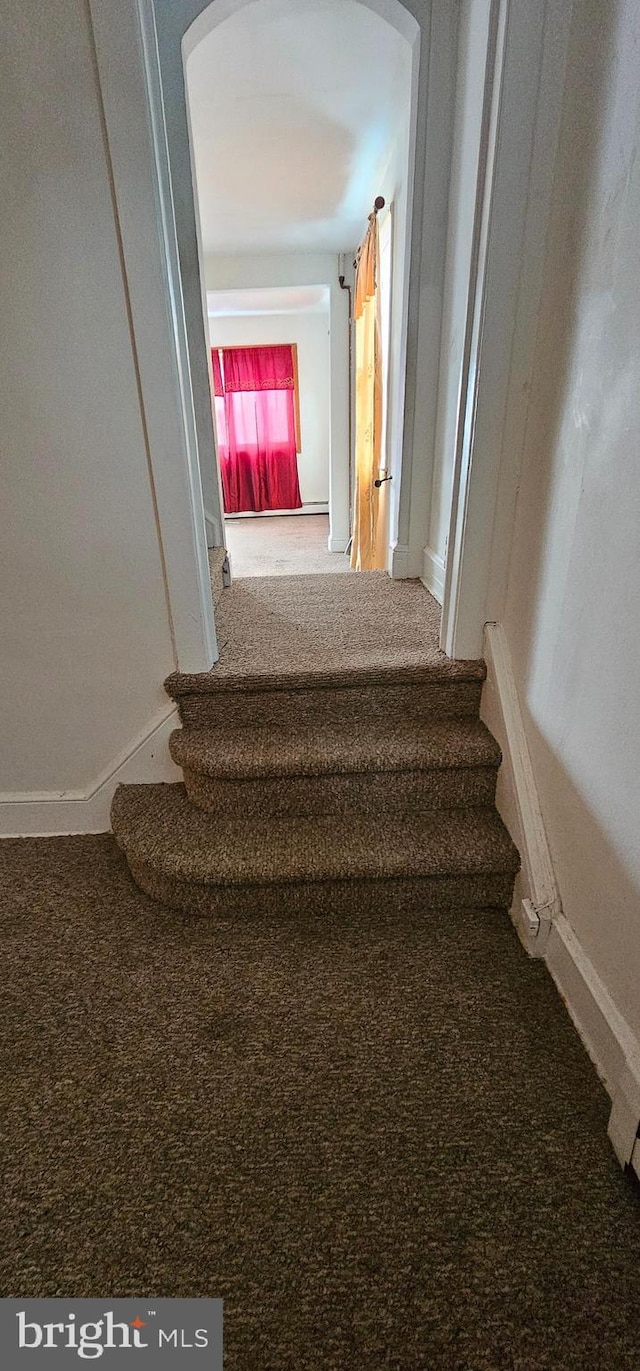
399	561
315	507
429	26
128	72
146	759
425	255
433	573
610	1042
337	544
523	114
517	796
537	911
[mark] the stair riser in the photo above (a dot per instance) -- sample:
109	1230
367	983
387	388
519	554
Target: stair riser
361	704
373	793
431	894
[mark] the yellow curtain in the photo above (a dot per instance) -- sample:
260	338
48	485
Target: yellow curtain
366	555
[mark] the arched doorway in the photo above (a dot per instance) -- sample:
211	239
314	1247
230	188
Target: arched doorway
300	117
140	66
427	30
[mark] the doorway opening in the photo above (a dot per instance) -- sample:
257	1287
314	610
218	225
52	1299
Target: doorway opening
292	142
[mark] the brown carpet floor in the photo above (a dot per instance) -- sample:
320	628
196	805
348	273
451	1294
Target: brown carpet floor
382	1143
276	624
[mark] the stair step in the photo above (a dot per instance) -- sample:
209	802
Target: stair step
203	863
384	744
368	792
223	681
427	697
386	764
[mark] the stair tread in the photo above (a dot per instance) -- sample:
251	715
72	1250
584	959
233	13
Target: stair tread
157	826
213	682
386	743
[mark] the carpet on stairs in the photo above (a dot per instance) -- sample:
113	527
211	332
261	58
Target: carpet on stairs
333	757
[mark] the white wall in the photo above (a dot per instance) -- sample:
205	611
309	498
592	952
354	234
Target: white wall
472	46
571	614
84	624
311	334
307	269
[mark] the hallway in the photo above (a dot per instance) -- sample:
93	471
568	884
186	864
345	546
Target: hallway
381	1141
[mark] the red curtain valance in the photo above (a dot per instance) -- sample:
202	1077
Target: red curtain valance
259	368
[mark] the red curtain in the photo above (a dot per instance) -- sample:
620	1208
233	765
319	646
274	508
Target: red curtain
254	401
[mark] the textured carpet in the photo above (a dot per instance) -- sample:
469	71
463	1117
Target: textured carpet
315	755
326	765
160	826
290	546
336	627
384	1146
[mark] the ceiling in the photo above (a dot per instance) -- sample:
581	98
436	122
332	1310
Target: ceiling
296	107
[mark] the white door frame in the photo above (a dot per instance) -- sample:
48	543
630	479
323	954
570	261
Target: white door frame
129	72
522	124
137	157
522	111
428	26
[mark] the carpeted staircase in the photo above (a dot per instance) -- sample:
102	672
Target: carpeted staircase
327	790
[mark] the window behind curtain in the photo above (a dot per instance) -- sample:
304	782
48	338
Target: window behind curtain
256	413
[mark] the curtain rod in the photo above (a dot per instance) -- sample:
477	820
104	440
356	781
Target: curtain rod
378	204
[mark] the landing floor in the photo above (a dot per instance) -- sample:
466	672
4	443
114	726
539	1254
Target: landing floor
319	623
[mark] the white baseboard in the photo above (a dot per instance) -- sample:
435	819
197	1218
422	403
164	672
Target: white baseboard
399	561
536	899
611	1044
404	563
45	814
337	544
537	910
318	507
433	574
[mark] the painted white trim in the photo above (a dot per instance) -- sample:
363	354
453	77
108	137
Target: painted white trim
537	911
433	573
398	562
425	252
146	759
338	544
522	117
319	507
429	26
611	1044
128	72
517	796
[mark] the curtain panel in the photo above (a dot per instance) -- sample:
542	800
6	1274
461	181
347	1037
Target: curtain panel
255	413
365	554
